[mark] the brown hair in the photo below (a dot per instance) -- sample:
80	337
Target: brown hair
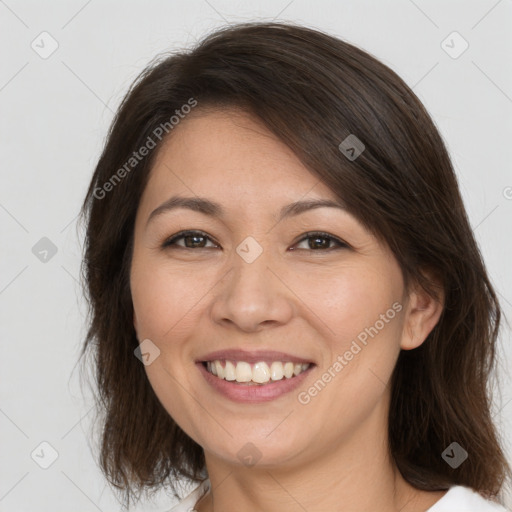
312	91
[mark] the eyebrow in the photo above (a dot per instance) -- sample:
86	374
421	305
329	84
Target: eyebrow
213	209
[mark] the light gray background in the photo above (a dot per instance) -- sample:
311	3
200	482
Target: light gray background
54	116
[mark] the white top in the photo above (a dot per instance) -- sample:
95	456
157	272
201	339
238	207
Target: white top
457	499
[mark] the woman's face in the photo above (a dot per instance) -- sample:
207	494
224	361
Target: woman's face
252	281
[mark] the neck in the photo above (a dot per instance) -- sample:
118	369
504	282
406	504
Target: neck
356	475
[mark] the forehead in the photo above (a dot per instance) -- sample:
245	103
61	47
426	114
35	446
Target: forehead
230	154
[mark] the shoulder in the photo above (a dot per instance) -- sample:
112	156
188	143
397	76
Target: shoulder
188	503
464	499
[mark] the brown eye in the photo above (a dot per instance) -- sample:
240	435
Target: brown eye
191	240
321	241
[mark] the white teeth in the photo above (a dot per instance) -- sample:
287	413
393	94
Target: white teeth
230	371
243	372
220	369
276	371
259	373
288	370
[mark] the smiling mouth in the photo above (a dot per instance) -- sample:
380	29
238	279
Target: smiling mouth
260	373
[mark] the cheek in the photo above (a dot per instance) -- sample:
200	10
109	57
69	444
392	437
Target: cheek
349	300
361	322
163	306
162	298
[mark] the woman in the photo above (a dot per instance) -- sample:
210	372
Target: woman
288	306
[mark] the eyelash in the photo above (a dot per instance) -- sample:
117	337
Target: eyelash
319	234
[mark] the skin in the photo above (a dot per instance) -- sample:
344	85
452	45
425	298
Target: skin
332	453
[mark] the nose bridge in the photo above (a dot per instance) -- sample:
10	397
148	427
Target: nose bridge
251	294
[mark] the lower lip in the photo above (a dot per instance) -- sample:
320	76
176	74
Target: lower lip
257	393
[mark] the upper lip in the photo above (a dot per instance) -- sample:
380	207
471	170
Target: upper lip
252	357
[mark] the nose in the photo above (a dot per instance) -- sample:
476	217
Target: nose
252	296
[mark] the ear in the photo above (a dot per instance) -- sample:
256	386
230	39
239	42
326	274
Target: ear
422	314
